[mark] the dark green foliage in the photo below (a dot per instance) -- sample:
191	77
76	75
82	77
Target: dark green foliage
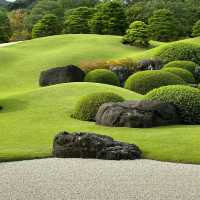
5	28
47	26
77	20
196	29
137	34
162	25
186	98
109	19
180	51
87	106
102	76
145	81
182	73
42	8
187	65
70	4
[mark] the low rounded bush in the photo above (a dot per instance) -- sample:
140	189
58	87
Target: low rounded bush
179	51
145	81
188	65
185	98
87	106
102	76
182	73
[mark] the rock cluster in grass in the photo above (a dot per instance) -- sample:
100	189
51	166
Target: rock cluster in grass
90	145
137	114
58	75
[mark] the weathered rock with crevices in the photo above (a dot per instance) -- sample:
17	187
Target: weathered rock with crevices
58	75
90	145
137	114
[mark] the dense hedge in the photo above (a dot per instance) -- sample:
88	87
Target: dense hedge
102	76
182	73
143	82
188	65
87	106
179	51
186	98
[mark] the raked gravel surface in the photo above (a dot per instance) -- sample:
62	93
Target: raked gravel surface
81	179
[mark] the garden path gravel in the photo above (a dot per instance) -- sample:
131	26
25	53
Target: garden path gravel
81	179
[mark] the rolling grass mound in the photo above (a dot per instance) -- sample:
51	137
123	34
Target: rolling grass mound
32	115
30	121
21	64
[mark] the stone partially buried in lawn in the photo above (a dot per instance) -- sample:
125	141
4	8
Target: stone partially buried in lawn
90	145
137	114
58	75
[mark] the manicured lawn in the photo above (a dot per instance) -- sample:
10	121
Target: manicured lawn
29	122
21	64
32	115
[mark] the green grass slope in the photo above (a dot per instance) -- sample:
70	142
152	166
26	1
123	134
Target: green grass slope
21	64
29	122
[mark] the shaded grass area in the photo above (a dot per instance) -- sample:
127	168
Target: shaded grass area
30	121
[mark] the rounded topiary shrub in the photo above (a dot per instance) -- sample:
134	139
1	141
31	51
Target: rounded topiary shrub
182	73
145	81
102	76
87	106
179	51
188	65
186	98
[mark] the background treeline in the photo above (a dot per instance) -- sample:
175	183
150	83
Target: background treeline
24	19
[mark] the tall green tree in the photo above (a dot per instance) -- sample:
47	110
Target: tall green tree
69	4
77	20
196	29
110	19
162	25
5	28
137	34
42	8
48	25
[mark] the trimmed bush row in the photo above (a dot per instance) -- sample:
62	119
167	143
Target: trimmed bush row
102	76
187	65
182	73
143	82
180	51
186	98
87	106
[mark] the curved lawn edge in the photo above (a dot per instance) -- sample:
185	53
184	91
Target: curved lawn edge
30	121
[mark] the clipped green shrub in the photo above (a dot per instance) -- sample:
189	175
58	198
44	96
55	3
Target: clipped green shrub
102	76
188	65
186	98
182	73
137	34
179	51
145	81
87	106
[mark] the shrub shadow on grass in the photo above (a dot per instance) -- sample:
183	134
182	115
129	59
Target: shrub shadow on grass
12	105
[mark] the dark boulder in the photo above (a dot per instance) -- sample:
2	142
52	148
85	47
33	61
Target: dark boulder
137	114
122	73
58	75
90	145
